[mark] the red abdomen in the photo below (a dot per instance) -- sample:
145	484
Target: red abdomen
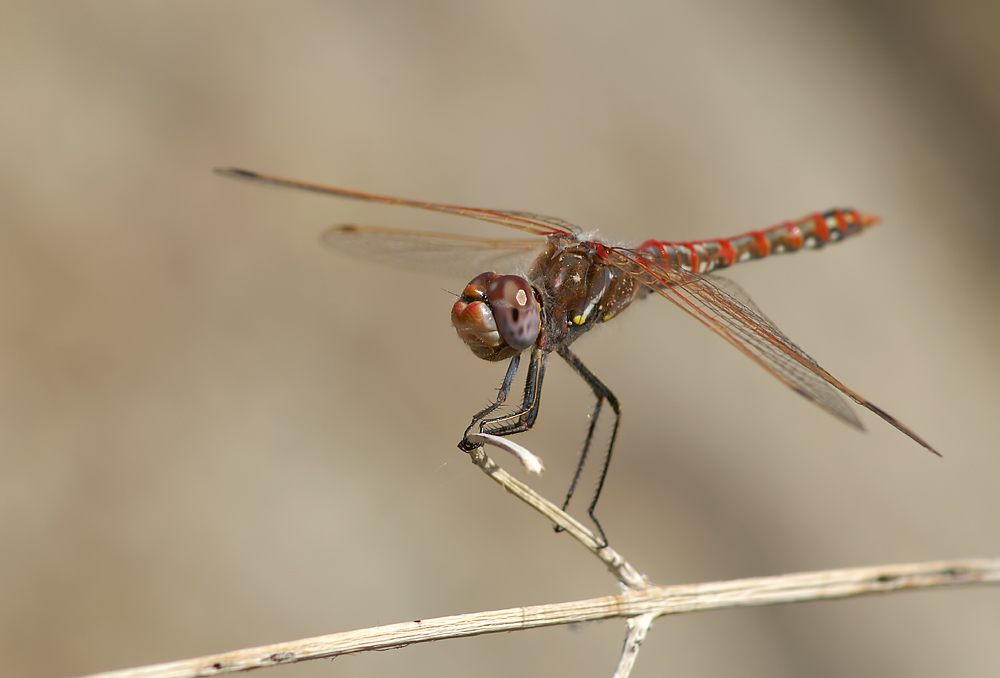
811	232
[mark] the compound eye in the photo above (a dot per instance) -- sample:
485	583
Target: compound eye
515	310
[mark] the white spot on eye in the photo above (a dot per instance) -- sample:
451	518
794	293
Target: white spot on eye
521	297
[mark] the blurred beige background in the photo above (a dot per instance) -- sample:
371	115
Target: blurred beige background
214	433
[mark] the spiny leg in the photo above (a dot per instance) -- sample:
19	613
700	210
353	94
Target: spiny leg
602	393
501	397
525	416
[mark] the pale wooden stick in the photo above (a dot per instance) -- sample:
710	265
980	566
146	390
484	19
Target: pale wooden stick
618	566
638	627
651	601
627	575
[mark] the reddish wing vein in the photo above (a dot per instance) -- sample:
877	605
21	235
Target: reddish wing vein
523	221
723	307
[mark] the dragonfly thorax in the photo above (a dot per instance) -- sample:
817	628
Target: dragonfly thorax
498	316
580	290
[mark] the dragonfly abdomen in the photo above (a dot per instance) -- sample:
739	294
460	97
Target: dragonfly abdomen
814	231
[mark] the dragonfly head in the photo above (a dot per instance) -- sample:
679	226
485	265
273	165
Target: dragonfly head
497	316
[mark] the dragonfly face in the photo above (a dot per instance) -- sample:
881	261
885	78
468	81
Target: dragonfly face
497	316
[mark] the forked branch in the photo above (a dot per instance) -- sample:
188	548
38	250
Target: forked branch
625	573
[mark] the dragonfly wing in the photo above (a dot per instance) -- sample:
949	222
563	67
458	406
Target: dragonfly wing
723	307
558	226
741	296
458	255
524	221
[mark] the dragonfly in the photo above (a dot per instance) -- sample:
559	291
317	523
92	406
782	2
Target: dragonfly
573	283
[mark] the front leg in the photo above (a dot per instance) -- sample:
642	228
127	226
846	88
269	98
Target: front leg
520	420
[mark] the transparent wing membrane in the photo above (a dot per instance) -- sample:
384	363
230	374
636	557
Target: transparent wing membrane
723	307
425	252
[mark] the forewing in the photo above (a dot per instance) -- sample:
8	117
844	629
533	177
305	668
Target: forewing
723	307
457	255
524	221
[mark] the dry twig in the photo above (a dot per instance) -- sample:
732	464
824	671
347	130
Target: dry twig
649	602
640	602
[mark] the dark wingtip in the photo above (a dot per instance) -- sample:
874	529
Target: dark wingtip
891	420
923	443
329	236
236	172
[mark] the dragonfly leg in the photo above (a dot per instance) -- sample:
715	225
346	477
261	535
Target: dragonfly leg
602	393
501	398
520	420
